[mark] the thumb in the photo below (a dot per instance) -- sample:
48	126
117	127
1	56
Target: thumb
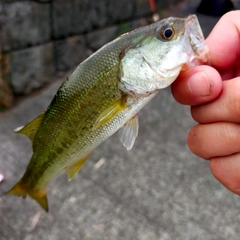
197	85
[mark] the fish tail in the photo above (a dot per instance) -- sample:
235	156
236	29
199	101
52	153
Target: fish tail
18	190
40	195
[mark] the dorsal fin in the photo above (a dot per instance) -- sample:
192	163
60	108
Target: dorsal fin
31	128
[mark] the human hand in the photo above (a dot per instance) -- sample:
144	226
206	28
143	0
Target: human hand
215	104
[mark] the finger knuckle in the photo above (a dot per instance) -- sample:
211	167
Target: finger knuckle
231	133
233	102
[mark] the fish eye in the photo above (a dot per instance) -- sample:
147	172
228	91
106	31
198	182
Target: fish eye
167	33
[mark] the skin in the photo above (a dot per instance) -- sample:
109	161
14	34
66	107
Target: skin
214	96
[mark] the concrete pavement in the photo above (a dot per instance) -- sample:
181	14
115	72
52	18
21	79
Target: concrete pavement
157	191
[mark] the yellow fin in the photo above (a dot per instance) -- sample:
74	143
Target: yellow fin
110	112
72	170
40	195
18	190
31	128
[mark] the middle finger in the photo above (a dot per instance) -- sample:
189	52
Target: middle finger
214	139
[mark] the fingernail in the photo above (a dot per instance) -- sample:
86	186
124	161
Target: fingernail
200	85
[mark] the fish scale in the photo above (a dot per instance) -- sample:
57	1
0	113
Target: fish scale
79	118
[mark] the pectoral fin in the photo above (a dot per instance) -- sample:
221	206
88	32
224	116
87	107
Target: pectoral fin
72	170
128	133
110	112
31	128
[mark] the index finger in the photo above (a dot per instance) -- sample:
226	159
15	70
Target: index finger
224	41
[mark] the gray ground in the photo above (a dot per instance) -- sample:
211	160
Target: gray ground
158	190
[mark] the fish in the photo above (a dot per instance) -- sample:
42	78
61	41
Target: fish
103	95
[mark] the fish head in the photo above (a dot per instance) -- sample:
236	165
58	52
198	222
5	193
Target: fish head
170	45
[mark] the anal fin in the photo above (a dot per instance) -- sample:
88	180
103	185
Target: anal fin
110	112
73	169
128	133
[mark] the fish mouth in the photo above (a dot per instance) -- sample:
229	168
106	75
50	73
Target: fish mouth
194	35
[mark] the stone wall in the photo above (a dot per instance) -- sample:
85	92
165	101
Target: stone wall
41	38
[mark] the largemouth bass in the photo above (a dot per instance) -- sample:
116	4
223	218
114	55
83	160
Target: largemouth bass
103	95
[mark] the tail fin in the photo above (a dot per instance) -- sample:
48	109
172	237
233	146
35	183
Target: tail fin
40	196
